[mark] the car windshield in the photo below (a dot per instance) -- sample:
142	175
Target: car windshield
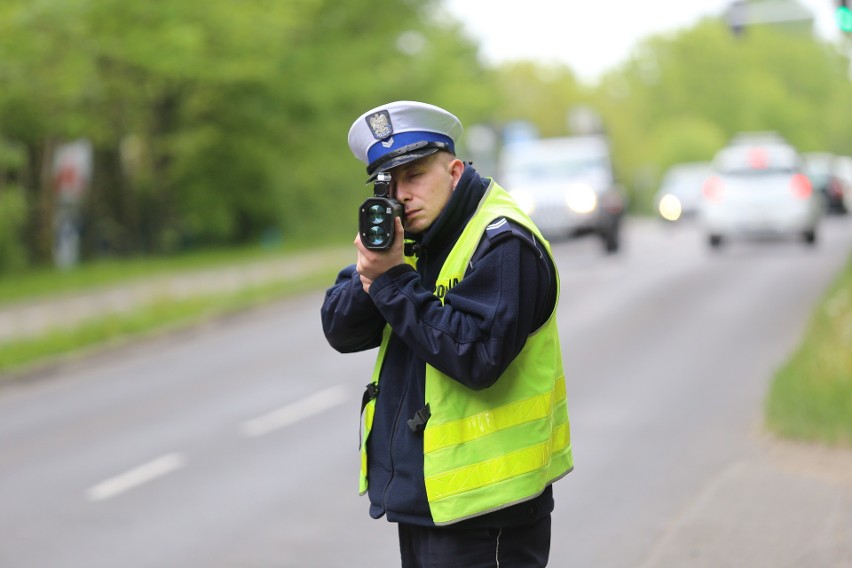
818	167
554	166
757	160
685	180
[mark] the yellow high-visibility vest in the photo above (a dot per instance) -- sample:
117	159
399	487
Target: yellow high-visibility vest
489	449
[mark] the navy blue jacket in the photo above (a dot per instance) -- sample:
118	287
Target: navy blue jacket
507	292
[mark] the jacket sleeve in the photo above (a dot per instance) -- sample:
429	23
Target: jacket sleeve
350	320
485	319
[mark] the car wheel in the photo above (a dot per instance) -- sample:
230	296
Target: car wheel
715	241
611	241
809	237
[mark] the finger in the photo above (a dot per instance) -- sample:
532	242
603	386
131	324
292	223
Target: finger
399	232
365	283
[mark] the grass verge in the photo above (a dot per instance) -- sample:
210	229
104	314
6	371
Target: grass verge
810	397
18	356
49	281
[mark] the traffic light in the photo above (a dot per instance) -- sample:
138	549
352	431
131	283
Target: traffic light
843	15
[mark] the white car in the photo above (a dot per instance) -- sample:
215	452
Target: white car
758	190
679	196
566	185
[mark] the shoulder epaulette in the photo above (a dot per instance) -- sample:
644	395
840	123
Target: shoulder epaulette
498	228
501	229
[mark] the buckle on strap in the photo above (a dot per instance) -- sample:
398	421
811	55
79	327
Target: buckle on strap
370	392
412	248
421	417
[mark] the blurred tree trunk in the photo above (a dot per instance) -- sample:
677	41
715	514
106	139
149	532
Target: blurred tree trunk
165	110
110	227
37	181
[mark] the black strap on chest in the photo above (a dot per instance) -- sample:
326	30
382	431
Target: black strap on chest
371	392
412	248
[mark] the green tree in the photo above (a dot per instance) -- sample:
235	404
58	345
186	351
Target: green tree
215	123
540	94
681	97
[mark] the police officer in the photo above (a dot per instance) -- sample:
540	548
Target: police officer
464	423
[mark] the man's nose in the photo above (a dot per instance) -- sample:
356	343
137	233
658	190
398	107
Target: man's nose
397	192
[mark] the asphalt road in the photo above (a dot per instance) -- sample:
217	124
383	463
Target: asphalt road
235	443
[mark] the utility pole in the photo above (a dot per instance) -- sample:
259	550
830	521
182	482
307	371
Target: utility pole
743	14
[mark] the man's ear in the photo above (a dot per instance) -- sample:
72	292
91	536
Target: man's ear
456	171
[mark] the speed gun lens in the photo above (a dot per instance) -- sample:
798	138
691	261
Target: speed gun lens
376	213
377	236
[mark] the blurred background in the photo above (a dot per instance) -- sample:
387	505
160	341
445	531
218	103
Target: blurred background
164	127
176	186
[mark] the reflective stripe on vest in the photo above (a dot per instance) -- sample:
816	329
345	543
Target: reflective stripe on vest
494	420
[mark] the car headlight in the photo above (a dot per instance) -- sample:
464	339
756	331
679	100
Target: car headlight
670	208
581	198
524	200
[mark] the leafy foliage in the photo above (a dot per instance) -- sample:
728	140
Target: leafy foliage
810	397
212	123
680	98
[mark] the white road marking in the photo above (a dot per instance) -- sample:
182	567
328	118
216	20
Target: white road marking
294	412
135	477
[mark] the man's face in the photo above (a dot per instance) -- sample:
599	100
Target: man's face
424	187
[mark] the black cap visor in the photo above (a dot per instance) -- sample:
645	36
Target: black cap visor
403	156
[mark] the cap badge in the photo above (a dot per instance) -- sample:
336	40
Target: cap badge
380	124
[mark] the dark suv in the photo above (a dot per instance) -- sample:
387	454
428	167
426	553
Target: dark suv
821	169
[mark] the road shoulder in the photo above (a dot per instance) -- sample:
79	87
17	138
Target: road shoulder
788	504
